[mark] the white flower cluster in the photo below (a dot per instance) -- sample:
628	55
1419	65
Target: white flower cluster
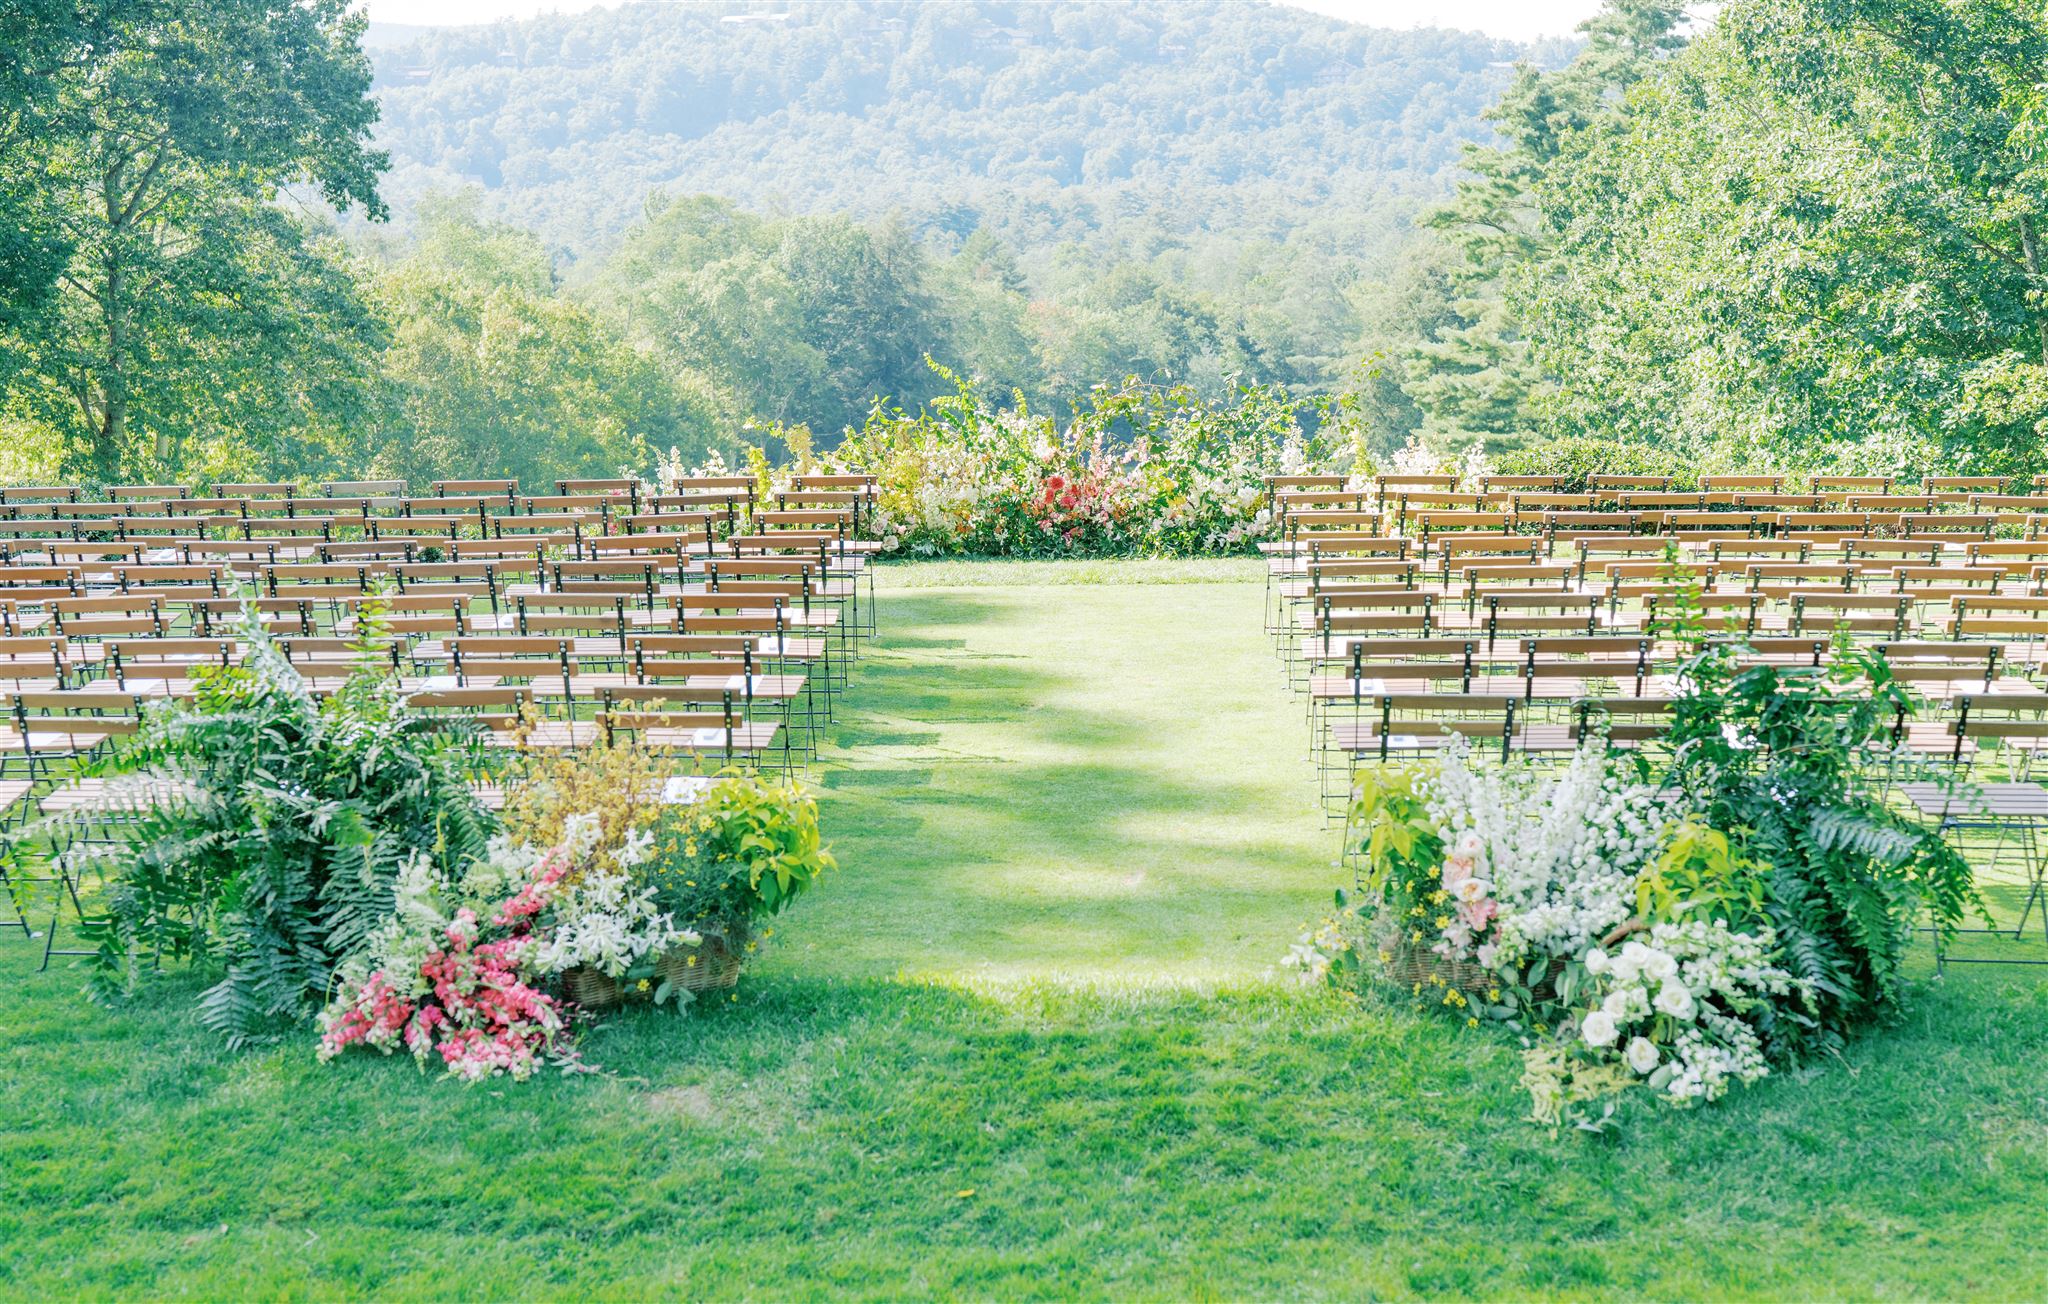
1563	852
1705	1066
1676	1000
504	869
601	921
414	928
1317	949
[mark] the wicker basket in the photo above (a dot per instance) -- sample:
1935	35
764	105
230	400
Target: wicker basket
1411	965
593	989
717	967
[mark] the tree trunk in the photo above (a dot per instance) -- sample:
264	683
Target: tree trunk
111	429
2030	248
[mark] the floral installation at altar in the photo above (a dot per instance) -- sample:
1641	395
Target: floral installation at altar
1139	470
1676	923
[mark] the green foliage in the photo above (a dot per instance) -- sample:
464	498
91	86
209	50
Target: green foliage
758	848
1470	369
1700	874
157	292
802	319
1400	846
1812	241
273	857
1782	758
492	372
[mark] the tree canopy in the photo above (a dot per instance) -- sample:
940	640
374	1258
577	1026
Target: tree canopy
156	291
1809	238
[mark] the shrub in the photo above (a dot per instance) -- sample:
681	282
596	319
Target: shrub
1781	757
284	823
1579	458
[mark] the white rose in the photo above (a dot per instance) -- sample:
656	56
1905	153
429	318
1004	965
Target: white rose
1642	1054
1661	966
1622	969
1598	1029
1471	889
1636	954
1469	845
1673	999
1617	1003
1596	961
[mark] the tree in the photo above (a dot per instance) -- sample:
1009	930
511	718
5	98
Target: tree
1814	241
1472	373
492	372
188	299
796	320
40	37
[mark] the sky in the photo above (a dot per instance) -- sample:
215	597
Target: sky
1519	20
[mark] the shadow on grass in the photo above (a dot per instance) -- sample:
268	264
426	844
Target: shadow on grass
897	1138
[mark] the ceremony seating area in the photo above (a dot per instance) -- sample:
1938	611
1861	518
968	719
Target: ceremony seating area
706	620
1412	609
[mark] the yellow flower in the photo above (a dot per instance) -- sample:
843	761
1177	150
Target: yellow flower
1472	1022
644	984
690	962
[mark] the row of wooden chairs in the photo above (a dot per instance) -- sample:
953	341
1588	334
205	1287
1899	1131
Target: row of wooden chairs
1526	621
721	648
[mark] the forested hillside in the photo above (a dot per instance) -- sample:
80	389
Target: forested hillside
1049	196
1046	124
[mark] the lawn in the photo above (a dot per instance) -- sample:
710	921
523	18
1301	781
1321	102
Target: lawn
1027	1043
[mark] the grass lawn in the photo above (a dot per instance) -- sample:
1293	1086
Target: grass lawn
1026	1044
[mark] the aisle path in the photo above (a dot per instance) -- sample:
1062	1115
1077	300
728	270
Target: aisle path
1081	781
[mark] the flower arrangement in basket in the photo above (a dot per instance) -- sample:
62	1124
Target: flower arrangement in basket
1582	906
719	856
610	882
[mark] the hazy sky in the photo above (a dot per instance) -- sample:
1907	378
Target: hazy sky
1515	19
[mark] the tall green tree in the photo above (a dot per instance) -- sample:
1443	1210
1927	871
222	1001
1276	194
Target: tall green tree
1470	372
1815	242
41	38
796	320
190	299
492	371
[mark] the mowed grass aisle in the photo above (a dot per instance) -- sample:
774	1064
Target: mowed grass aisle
1071	781
1024	1046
